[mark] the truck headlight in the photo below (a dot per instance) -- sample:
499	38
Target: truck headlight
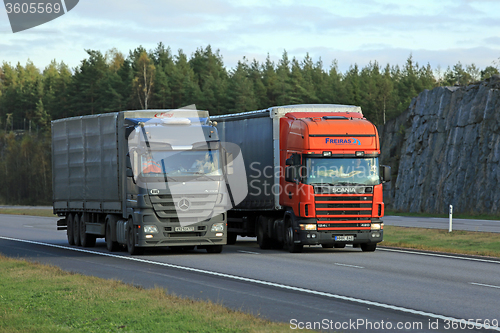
217	227
377	226
150	229
307	226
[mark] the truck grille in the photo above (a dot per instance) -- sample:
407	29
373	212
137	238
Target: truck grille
343	212
184	208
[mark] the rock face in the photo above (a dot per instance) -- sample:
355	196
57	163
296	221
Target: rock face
445	149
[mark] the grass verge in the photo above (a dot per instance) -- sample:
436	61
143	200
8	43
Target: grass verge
459	242
31	211
41	298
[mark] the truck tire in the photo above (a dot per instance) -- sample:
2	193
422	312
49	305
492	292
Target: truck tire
289	241
131	248
339	245
327	246
69	230
264	241
214	248
110	244
76	229
231	238
86	240
365	247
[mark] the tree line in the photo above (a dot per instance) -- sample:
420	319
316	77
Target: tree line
159	79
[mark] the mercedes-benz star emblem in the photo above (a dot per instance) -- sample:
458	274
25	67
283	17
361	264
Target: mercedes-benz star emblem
184	204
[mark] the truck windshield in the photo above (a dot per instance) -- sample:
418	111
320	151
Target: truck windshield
342	171
180	163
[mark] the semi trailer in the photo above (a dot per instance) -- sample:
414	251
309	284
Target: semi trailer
313	177
140	179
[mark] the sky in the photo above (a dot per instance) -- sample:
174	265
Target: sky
440	33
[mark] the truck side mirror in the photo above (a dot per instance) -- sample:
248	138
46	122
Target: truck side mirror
297	160
290	174
293	160
385	172
130	173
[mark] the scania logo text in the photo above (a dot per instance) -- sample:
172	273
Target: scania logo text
343	190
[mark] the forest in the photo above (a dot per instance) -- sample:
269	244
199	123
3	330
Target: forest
159	79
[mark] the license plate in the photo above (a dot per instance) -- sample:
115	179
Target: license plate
344	238
184	229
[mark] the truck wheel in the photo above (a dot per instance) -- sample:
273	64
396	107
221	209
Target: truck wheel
327	246
264	241
368	247
76	229
86	240
231	238
69	230
214	248
110	244
291	246
131	248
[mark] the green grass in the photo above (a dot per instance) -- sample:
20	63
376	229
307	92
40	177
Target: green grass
460	242
39	298
31	211
456	216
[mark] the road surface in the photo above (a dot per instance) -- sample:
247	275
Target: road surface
331	289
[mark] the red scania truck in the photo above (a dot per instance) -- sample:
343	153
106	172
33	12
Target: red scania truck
313	177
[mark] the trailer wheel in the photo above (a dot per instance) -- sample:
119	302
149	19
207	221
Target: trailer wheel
131	248
76	229
368	247
214	248
291	246
86	240
110	244
69	229
264	241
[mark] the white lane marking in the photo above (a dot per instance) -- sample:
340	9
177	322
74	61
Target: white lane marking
439	255
250	252
354	266
28	226
260	282
484	285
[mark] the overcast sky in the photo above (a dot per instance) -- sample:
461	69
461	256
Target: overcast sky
357	31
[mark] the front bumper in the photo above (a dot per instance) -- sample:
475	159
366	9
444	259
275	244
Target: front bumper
328	237
167	235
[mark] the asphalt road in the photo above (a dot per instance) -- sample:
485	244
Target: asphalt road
335	288
443	223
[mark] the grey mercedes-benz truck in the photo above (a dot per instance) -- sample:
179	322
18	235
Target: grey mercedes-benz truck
140	179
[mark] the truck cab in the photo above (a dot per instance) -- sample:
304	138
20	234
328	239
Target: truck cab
332	181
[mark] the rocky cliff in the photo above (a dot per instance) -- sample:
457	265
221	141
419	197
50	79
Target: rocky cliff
445	149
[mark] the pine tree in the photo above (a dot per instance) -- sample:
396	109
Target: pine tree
240	90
